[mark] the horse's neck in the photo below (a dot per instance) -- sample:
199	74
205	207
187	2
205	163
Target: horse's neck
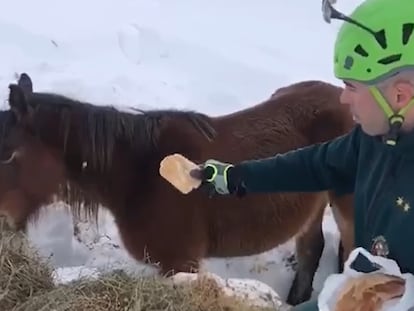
92	170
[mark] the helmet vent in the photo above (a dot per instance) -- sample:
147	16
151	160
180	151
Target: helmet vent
390	59
407	31
361	51
380	37
349	62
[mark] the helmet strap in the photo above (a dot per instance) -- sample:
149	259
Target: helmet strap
395	119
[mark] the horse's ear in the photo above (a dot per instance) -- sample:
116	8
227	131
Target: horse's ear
18	101
25	82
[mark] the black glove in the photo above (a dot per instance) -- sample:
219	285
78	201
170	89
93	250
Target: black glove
215	178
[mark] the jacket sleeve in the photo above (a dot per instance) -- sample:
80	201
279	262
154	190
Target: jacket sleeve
325	166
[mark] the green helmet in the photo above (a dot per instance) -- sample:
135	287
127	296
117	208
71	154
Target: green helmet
380	46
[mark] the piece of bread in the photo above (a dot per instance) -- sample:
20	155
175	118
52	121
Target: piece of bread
369	292
176	169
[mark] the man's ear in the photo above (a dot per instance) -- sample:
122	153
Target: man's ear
403	93
18	102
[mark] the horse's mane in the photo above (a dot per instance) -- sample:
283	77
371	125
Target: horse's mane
100	127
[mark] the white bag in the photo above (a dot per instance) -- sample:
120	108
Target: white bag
332	286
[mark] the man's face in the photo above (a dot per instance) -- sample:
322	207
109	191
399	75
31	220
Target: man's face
364	108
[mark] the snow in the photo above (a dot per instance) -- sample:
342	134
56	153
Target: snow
213	56
258	293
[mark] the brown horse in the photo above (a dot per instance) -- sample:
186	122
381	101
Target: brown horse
111	158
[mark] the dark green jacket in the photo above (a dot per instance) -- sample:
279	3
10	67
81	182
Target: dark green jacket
381	176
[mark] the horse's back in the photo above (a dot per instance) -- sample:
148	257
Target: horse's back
294	116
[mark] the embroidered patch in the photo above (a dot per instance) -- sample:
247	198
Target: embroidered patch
402	204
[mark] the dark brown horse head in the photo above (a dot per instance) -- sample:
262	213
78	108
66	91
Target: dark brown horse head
9	188
25	183
30	175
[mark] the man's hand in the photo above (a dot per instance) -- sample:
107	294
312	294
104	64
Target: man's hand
213	175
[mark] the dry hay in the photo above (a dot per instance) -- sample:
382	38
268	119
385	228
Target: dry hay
26	284
120	292
21	274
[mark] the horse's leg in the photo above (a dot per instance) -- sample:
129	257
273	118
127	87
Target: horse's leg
170	256
341	256
173	244
309	248
180	252
343	212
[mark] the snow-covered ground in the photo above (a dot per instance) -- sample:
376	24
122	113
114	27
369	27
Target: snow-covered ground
214	56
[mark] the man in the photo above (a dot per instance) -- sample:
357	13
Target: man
374	56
